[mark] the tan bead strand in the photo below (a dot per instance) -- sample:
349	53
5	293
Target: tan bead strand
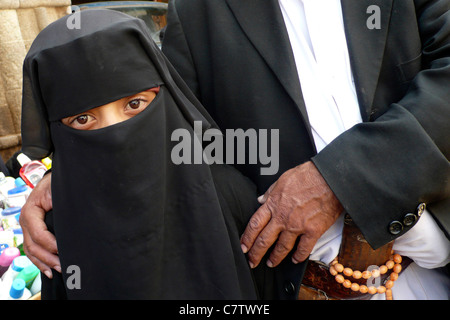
394	263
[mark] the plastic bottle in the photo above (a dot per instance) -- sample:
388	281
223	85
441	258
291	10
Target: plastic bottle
7	257
31	171
10	275
28	274
37	285
3	202
17	217
18	264
19	291
8	218
6	240
6	183
4	290
18	196
18	238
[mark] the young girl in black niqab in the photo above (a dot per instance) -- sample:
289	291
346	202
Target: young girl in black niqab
134	224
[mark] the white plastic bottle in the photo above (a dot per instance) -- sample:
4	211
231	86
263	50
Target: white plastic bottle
3	202
18	196
6	183
18	291
4	290
37	284
5	287
8	218
6	239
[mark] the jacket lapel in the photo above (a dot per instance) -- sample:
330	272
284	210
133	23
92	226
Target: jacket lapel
366	46
262	22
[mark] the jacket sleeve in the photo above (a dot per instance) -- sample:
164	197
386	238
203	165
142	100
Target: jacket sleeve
384	171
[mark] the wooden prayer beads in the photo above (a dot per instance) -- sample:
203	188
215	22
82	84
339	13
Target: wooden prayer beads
339	271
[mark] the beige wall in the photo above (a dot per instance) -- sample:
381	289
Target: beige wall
20	22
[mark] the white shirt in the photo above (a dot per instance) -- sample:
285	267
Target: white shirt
323	65
317	36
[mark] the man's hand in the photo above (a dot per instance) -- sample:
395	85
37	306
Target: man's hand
39	243
298	204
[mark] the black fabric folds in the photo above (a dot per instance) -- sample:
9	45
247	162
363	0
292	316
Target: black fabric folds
134	224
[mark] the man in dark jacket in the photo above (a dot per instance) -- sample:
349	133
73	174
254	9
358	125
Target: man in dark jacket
240	60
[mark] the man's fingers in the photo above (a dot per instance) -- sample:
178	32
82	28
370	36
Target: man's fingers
304	248
38	232
261	233
284	245
256	224
263	243
45	269
43	238
46	260
47	241
262	199
39	244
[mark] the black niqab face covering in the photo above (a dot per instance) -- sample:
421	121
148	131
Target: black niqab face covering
134	224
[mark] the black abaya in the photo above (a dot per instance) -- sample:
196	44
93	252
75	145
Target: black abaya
136	225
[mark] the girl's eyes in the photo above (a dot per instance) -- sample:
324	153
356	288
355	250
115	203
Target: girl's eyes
136	103
132	107
111	113
82	119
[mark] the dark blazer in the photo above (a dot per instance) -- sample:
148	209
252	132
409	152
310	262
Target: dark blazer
236	57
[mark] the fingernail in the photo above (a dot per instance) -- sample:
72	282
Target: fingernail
252	265
269	263
260	199
294	261
57	268
244	248
48	274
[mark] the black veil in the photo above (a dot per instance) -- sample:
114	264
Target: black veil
134	224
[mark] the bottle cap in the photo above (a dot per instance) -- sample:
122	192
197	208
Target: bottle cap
17	288
23	159
47	162
20	263
11	211
28	274
17	190
19	182
8	256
